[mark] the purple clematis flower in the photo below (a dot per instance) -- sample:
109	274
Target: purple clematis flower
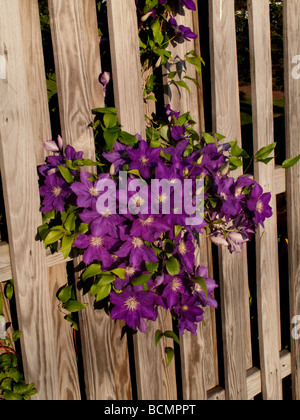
55	192
181	30
137	251
134	307
144	158
189	4
107	223
174	288
177	132
185	251
96	246
171	113
189	314
211	285
259	205
118	157
149	227
86	191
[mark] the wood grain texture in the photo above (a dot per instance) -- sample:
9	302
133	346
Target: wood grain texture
126	66
73	55
36	80
41	129
233	268
77	58
266	239
154	380
21	196
292	101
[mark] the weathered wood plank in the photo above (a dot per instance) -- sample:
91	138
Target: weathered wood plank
266	239
21	196
292	100
41	128
36	80
154	380
233	268
105	355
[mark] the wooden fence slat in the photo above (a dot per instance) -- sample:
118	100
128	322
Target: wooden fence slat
199	359
105	355
154	380
21	196
266	239
292	97
41	127
233	268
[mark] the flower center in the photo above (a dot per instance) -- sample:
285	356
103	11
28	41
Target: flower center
238	191
175	285
223	195
184	307
106	214
94	192
131	303
138	200
147	222
137	242
259	206
129	271
182	248
96	242
56	191
144	160
198	288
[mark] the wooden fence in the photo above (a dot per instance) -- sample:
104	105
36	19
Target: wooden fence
218	363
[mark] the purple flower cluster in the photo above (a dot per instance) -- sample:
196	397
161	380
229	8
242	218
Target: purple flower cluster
154	248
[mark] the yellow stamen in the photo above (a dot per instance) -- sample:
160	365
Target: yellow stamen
56	191
132	304
96	242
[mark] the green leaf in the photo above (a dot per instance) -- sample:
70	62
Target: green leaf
9	290
66	245
158	336
75	306
101	292
157	34
108	110
66	174
54	235
177	230
16	335
65	294
170	354
264	153
11	396
173	336
208	138
92	271
110	120
173	266
152	267
119	272
70	222
238	151
290	162
181	83
83	228
107	278
235	161
110	138
127	139
139	281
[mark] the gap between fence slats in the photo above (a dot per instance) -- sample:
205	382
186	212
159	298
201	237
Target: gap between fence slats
104	353
267	269
154	380
292	100
233	268
21	196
